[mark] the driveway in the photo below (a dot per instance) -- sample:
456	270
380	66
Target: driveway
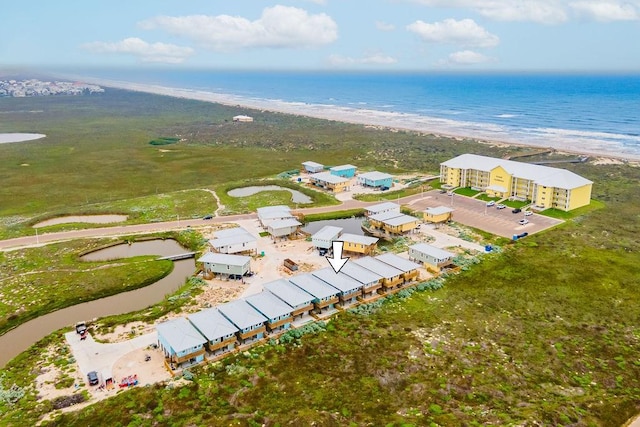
94	356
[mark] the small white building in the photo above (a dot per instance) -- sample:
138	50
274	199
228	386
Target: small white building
234	241
324	238
312	167
283	227
225	264
242	118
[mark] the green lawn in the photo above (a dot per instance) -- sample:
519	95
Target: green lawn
467	191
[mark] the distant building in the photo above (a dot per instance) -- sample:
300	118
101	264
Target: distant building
376	180
393	222
545	186
438	214
268	214
312	167
330	182
345	171
242	118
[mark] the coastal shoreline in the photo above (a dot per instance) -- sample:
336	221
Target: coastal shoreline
383	120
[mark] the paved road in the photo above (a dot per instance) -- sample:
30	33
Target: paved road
468	211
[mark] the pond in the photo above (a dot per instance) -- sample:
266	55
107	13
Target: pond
349	225
91	219
296	196
21	338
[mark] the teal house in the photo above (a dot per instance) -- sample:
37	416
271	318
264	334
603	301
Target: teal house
375	179
345	171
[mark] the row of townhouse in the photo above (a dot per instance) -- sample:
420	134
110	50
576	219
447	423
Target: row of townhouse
544	186
248	320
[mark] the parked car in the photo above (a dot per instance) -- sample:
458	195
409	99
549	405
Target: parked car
516	210
523	222
93	378
207	217
442	191
81	328
500	206
528	213
491	203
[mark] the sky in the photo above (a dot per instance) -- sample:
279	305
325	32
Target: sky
391	35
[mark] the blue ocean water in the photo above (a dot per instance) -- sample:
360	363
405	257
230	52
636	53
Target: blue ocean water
579	112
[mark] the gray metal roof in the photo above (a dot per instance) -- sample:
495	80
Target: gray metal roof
277	208
269	304
327	232
360	273
340	281
283	223
398	262
241	314
180	334
328	177
227	259
382	207
378	267
375	175
311	284
228	232
432	251
239	238
400	220
288	292
542	175
384	216
312	164
212	324
343	167
356	238
439	210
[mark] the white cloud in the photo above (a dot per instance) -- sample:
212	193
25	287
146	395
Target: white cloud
464	32
375	59
147	52
541	11
278	27
383	26
467	57
606	11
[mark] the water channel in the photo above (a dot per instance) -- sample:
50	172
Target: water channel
21	338
296	196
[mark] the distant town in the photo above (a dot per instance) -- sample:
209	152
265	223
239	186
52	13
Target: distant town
33	87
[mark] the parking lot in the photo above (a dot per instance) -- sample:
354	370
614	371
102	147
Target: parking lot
476	213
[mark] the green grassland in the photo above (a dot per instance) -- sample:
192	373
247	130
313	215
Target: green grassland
545	332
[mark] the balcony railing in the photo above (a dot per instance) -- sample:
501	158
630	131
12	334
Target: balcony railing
252	333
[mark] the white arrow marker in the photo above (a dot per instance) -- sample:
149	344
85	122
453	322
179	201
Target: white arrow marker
337	262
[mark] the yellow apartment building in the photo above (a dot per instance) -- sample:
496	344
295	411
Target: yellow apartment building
545	186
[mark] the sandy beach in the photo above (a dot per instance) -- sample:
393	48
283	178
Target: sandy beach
562	141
